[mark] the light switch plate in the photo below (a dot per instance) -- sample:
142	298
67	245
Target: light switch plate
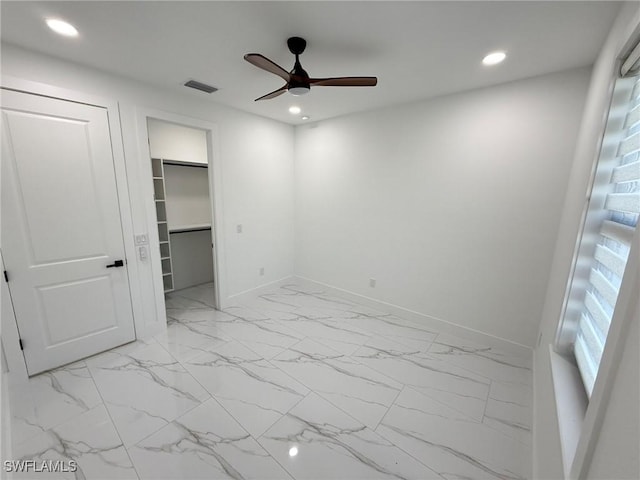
142	239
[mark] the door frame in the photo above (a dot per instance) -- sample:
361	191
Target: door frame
15	358
215	201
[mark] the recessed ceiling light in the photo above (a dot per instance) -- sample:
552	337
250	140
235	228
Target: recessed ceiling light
62	27
494	58
293	451
295	110
306	117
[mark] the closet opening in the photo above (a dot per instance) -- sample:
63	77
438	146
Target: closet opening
182	184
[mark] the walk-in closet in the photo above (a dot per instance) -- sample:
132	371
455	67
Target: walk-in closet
179	164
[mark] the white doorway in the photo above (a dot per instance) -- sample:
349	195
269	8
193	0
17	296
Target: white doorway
180	158
62	233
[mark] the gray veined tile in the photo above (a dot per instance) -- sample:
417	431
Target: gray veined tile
509	419
184	340
335	333
178	303
332	313
490	362
509	409
461	389
286	302
89	439
449	406
267	338
205	443
127	349
296	289
254	391
355	388
516	393
332	445
276	307
241	312
144	390
202	317
343	347
333	301
199	296
307	297
320	302
450	443
397	329
51	398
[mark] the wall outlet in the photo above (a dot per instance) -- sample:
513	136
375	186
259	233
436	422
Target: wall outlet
372	282
261	271
239	228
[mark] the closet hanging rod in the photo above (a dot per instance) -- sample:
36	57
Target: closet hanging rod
190	229
184	164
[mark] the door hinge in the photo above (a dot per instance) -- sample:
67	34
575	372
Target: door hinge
21	344
6	276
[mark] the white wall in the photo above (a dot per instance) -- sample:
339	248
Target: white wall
257	167
176	142
547	462
191	258
187	196
451	204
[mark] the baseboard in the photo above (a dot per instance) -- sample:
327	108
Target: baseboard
430	322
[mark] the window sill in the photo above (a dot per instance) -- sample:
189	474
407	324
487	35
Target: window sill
571	405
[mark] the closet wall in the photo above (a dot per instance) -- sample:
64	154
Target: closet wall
187	258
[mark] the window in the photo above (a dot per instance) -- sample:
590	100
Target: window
609	225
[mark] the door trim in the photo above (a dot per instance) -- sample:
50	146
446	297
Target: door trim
122	187
215	197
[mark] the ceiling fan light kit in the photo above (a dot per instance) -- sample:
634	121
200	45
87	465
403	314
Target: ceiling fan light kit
299	90
298	81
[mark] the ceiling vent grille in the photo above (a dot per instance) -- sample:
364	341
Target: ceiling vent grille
203	87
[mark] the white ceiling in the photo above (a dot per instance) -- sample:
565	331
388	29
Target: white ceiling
416	49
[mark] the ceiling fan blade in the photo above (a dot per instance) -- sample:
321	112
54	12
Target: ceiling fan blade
345	81
264	63
273	94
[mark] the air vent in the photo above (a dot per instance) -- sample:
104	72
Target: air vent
200	86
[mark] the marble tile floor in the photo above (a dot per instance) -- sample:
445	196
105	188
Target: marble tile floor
357	393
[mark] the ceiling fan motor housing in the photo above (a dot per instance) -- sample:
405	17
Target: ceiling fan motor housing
297	80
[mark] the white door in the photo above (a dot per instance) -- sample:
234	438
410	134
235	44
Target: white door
61	230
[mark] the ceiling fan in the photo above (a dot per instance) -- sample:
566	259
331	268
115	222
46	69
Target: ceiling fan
298	80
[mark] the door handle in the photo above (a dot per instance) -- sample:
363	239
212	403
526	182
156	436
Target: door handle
117	263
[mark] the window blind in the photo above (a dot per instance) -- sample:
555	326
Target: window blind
622	208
